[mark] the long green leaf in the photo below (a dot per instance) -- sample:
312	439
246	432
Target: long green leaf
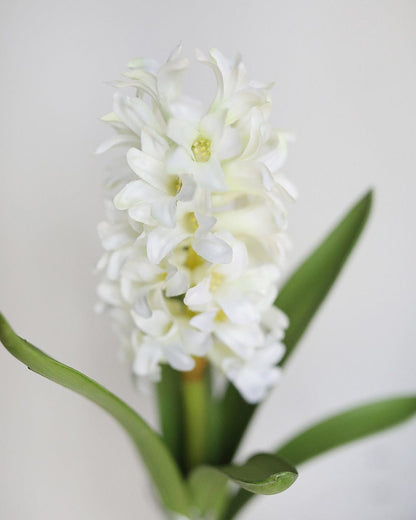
263	473
336	431
347	427
170	402
307	288
161	465
300	299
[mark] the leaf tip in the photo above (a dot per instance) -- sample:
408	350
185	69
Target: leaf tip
366	202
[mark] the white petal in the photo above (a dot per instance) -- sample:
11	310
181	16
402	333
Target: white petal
141	80
169	80
177	284
141	306
187	109
144	112
179	161
204	321
147	168
115	263
244	101
164	211
177	51
205	223
114	236
197	343
178	360
124	110
255	220
109	293
287	186
157	325
144	63
153	144
200	56
210	175
142	213
135	192
117	140
253	385
240	339
139	269
187	190
239	264
212	126
238	309
198	295
230	144
276	321
277	155
161	241
102	262
213	249
146	362
182	132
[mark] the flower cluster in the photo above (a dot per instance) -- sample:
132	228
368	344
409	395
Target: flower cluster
194	237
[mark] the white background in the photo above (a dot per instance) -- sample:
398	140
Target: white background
346	84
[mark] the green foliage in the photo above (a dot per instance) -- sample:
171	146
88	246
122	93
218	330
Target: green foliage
199	428
334	432
209	491
300	299
347	427
155	454
171	413
264	474
307	288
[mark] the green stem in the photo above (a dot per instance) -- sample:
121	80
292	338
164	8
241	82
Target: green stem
195	402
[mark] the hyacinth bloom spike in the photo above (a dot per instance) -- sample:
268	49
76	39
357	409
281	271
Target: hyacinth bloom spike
195	235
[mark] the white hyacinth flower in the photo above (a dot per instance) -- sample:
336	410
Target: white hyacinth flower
195	234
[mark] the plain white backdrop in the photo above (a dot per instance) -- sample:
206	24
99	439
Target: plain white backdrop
345	85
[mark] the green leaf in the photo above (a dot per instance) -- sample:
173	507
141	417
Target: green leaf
209	491
161	465
336	431
264	474
300	299
236	414
347	427
170	402
307	288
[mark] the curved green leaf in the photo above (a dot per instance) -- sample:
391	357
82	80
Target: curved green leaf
347	427
336	431
307	288
156	456
264	474
300	299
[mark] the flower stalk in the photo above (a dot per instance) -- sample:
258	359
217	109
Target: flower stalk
195	400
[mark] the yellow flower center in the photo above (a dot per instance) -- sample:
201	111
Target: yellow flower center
178	184
201	148
193	260
190	222
220	316
216	280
